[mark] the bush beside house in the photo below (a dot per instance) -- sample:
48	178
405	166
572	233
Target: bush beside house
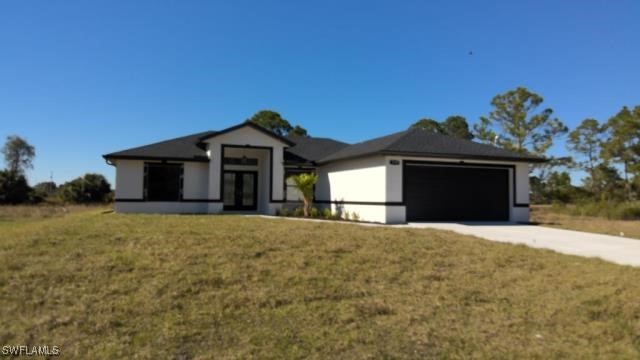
315	213
305	183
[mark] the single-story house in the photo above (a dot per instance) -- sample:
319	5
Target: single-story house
411	175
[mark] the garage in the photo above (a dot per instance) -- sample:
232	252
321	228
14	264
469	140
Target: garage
437	192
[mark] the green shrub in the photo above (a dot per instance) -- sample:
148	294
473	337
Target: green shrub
90	188
628	211
282	212
298	212
315	212
355	216
326	213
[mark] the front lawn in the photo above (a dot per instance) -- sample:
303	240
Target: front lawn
150	286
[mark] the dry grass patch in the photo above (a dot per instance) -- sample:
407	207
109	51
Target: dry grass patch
190	287
43	211
544	215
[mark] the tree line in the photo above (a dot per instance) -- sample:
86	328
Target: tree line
14	188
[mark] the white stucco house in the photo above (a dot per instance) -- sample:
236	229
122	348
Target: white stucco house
412	175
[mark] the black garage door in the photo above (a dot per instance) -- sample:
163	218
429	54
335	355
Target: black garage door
456	193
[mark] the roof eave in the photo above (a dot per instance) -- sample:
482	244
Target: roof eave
155	158
444	156
463	156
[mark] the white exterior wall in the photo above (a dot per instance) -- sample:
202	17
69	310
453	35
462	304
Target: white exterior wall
522	182
372	213
396	214
352	180
161	207
521	214
196	180
129	179
357	180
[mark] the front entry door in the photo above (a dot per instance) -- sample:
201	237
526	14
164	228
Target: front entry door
240	190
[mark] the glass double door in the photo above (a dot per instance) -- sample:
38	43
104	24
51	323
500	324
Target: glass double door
240	190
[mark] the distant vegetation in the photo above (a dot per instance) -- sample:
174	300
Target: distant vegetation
15	189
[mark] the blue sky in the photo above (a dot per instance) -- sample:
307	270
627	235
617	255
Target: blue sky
82	78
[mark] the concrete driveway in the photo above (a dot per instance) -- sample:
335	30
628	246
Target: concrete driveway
616	249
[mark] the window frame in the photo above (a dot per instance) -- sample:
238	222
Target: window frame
145	188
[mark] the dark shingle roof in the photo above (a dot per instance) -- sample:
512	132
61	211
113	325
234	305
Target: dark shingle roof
419	142
412	142
182	148
311	148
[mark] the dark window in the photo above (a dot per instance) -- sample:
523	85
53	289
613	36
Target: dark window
163	182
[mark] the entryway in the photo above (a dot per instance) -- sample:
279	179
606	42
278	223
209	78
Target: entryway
240	190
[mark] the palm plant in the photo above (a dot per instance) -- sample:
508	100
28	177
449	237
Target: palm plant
304	183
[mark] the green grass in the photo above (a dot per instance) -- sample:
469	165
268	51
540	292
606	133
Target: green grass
149	286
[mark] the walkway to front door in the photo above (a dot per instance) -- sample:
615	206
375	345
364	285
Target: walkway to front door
240	190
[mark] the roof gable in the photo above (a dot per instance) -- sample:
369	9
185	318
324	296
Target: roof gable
253	126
